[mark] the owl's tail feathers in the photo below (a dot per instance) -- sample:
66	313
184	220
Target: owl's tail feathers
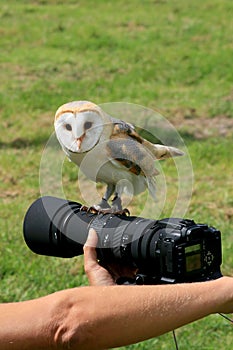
152	187
162	152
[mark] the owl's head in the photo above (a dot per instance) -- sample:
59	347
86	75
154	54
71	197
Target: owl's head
79	125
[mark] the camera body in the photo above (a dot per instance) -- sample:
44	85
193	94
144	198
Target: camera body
185	252
171	250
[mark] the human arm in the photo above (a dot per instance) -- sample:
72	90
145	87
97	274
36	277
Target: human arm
99	317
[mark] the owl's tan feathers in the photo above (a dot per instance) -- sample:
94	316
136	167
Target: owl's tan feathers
74	107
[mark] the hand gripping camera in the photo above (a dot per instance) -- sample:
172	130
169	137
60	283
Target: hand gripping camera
170	250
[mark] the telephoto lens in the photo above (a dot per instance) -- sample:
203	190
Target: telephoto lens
170	250
58	227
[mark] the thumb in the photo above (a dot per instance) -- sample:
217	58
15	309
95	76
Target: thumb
92	238
90	255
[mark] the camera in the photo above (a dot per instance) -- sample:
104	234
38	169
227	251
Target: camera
171	250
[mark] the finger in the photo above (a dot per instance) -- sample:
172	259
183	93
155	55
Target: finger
90	255
92	238
96	274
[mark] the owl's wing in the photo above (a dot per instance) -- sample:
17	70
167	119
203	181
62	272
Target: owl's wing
131	154
122	129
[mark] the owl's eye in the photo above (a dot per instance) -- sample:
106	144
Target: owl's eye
87	125
68	127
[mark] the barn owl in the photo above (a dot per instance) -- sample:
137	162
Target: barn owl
111	149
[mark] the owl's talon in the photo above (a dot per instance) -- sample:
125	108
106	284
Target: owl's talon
124	212
83	208
111	210
91	209
97	209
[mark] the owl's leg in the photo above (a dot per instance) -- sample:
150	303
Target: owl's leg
117	206
104	208
116	203
109	191
103	204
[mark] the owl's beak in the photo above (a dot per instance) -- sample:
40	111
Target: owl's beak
79	141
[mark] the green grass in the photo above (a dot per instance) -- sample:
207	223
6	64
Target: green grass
174	56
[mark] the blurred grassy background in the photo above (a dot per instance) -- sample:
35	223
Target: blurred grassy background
173	56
